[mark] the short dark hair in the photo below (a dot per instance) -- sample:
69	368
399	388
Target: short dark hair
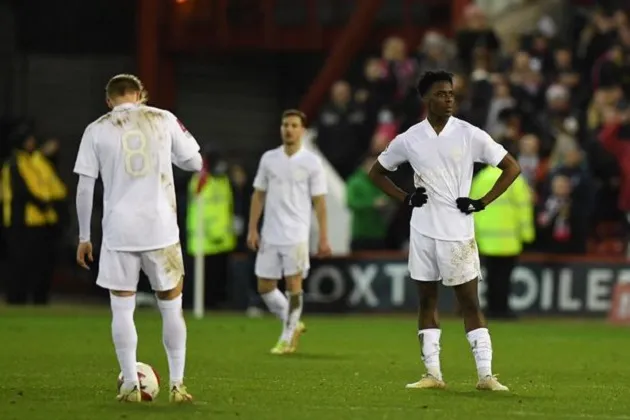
429	78
295	113
122	84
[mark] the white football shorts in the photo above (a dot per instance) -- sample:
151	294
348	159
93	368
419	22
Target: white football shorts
453	262
120	270
273	262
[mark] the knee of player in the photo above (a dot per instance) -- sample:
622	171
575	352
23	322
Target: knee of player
266	286
469	304
172	293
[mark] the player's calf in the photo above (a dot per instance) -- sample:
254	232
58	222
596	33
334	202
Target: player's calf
429	334
276	302
125	337
174	332
478	335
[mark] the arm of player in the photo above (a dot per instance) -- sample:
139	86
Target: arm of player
194	164
261	182
84	200
185	149
378	175
510	170
319	204
388	161
255	211
486	150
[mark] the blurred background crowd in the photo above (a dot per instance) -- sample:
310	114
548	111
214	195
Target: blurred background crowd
556	101
556	96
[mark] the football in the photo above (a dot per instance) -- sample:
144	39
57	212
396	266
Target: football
149	381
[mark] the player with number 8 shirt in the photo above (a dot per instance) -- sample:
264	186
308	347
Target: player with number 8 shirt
133	148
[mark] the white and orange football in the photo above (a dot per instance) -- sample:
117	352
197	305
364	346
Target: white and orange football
149	381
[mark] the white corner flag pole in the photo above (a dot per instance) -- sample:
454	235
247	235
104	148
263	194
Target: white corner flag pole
198	293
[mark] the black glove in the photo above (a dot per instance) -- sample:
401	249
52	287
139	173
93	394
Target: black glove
468	205
418	198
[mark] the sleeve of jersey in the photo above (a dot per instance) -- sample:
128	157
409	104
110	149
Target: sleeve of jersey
87	162
393	155
487	150
318	180
84	200
185	146
261	181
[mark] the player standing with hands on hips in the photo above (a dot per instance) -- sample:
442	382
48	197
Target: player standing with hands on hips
442	150
290	182
133	149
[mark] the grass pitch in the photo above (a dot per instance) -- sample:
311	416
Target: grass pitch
59	363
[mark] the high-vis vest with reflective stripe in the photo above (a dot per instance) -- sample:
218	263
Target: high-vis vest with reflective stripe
41	181
508	222
218	216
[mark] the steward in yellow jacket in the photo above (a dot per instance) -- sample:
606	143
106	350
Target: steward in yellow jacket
500	231
29	189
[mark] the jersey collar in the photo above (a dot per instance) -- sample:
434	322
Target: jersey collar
127	105
431	132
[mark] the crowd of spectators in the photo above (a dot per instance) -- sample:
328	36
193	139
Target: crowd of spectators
558	104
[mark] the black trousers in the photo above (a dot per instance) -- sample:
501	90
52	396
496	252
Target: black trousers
498	275
31	265
216	280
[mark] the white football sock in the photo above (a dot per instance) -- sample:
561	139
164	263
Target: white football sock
294	312
174	337
481	346
277	304
430	350
125	337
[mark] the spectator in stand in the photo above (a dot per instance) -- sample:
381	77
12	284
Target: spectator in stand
435	53
371	209
397	66
533	167
385	132
596	38
558	119
501	99
615	137
374	93
339	129
403	70
606	98
561	221
475	33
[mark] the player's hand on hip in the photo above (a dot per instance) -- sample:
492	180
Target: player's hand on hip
468	205
418	198
323	250
253	240
84	252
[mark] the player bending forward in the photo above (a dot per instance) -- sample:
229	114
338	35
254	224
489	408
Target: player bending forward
289	183
133	148
441	150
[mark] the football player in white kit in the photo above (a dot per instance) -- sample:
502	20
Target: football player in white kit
133	148
290	182
442	150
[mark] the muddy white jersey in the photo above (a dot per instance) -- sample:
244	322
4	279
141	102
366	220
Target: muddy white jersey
443	164
133	148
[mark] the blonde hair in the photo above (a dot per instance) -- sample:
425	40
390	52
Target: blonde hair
121	84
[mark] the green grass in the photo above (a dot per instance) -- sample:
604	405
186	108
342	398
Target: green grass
59	364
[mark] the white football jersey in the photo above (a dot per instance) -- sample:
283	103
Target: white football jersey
290	182
133	148
443	164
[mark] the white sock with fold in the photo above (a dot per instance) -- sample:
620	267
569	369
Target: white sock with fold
277	304
481	347
125	337
174	338
430	350
294	313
